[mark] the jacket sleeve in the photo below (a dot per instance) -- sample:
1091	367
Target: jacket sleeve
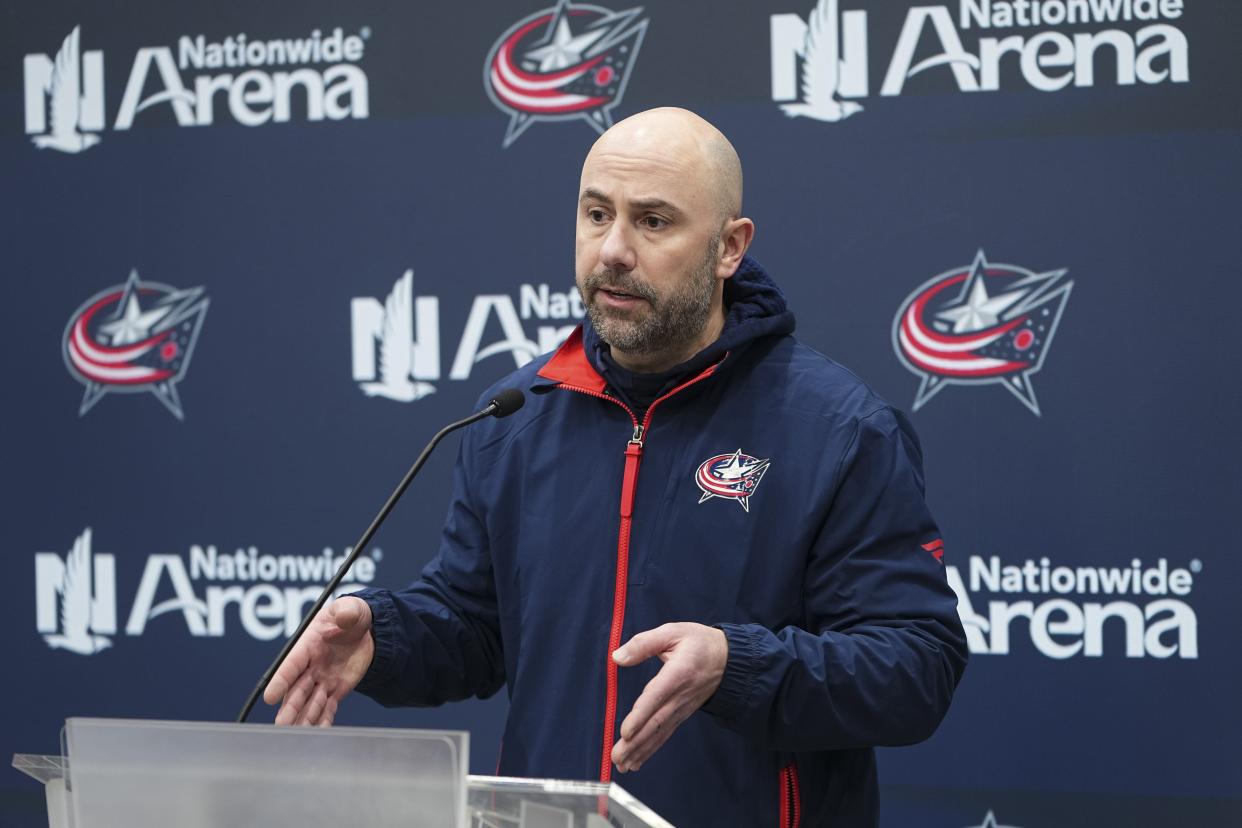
438	640
881	648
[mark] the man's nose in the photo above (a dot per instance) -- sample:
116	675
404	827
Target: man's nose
617	252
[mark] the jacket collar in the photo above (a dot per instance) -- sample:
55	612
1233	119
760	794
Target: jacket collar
570	366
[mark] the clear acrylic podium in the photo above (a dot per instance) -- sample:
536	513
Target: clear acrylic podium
153	774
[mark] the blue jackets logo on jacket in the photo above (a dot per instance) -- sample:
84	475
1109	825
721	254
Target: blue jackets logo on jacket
733	476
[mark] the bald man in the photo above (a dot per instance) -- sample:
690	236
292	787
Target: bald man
698	556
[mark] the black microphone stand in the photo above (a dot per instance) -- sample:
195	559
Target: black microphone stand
496	407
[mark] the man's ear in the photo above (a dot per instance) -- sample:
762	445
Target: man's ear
735	239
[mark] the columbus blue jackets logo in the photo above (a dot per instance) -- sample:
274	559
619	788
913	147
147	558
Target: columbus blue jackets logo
134	337
734	476
571	61
984	324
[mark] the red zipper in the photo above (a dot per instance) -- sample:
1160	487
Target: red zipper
629	484
791	797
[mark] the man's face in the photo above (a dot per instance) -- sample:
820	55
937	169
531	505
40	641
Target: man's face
647	249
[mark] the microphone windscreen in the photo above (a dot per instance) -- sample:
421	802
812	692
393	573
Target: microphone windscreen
508	401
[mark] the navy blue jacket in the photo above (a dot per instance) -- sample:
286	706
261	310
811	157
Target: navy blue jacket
772	494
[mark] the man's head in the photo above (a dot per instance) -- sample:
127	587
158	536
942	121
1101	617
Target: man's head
659	229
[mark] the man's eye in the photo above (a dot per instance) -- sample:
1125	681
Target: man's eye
596	215
653	222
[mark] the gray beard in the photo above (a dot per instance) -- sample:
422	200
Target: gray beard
669	323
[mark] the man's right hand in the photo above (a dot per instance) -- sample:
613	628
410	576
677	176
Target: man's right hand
330	659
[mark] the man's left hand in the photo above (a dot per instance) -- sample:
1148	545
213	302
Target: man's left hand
694	659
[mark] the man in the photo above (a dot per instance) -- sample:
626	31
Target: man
698	555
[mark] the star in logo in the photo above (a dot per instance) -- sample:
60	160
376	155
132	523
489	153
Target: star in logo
133	324
134	337
565	49
734	476
977	310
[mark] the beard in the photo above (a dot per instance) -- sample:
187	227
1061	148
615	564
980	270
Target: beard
670	322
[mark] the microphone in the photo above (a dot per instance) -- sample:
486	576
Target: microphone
506	402
502	405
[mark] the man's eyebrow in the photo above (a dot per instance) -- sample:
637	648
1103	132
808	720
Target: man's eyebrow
592	194
657	204
643	204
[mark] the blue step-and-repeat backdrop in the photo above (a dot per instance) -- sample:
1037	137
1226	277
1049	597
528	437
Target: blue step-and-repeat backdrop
255	254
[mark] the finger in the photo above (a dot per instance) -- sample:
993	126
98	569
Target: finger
314	707
329	713
295	700
347	611
659	690
290	669
343	613
637	759
663	723
644	645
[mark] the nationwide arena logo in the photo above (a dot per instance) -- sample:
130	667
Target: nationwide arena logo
568	62
733	476
266	79
986	324
76	596
820	65
396	343
1080	610
136	337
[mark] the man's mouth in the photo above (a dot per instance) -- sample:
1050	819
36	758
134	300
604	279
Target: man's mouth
621	293
618	296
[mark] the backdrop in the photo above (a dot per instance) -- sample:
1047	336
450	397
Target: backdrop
254	256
